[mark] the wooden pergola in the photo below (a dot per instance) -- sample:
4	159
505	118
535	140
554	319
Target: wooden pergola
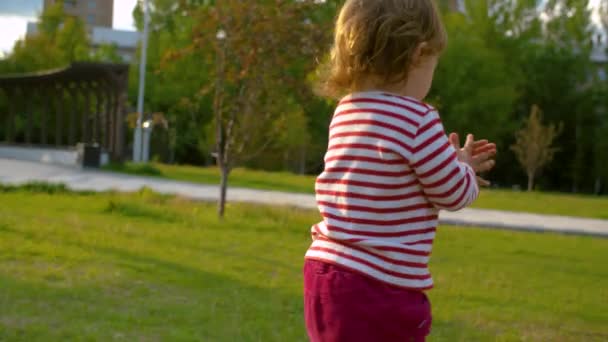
82	103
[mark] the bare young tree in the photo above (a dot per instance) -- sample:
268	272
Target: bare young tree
533	146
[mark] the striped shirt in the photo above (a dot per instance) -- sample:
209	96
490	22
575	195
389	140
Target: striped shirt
389	169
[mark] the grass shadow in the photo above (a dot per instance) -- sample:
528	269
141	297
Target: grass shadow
161	301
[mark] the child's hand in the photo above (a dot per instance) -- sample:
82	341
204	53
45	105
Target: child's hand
483	146
478	154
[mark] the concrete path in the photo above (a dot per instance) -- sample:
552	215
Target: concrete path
19	172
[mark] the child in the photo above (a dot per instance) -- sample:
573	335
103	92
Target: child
389	169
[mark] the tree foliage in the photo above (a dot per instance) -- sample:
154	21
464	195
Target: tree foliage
253	52
503	57
534	145
475	88
60	39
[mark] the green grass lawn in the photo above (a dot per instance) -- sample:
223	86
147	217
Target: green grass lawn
535	202
244	178
153	268
545	203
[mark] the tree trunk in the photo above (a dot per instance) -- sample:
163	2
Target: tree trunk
221	205
530	181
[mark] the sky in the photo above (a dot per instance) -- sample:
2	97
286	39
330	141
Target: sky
14	15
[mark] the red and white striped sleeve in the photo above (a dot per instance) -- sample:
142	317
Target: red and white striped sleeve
447	183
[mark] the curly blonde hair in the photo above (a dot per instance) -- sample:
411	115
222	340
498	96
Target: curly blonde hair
378	38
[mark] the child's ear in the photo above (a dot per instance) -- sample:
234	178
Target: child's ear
419	54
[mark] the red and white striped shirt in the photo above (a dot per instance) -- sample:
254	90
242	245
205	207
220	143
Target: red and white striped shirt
389	169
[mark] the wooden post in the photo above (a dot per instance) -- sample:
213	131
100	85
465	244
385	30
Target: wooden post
10	118
121	95
86	112
110	110
73	109
29	117
120	126
44	116
59	107
97	118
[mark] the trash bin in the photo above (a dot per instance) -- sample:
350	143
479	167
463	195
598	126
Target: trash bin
89	155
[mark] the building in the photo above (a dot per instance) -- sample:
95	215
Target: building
452	5
125	41
98	17
95	13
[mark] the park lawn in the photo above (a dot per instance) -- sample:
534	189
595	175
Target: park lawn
154	268
242	178
533	202
545	203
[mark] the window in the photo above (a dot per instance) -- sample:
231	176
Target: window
91	19
70	3
92	4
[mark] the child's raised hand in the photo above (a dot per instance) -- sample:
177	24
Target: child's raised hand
478	154
483	146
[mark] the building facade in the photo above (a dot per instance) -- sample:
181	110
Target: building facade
92	12
453	5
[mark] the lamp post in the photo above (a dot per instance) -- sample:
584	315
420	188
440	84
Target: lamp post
147	128
217	105
137	138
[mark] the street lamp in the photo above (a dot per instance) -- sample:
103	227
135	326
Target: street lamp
221	35
137	139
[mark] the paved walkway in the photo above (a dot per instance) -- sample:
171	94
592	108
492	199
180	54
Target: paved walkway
19	172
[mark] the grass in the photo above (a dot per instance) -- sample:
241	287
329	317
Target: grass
115	267
535	202
545	203
244	178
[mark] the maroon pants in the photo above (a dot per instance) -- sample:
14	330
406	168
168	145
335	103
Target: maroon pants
343	306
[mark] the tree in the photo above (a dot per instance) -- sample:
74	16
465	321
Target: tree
474	86
533	145
565	96
61	39
250	49
107	53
